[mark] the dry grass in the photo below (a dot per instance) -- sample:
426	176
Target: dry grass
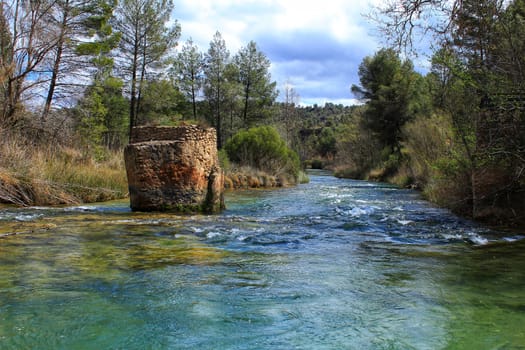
48	176
248	177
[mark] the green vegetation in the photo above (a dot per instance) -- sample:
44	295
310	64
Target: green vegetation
127	48
457	132
262	148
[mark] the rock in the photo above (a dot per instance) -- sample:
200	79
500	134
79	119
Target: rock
174	169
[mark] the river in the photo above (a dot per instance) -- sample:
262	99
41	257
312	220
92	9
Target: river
333	264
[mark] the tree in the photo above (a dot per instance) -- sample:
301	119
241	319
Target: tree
216	62
189	71
233	104
6	42
327	143
483	42
115	120
258	89
390	89
92	114
161	102
145	41
288	112
27	41
101	116
76	22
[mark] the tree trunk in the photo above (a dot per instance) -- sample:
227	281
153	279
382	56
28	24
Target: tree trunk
56	65
133	97
246	99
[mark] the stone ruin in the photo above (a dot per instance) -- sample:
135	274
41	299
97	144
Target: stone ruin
174	169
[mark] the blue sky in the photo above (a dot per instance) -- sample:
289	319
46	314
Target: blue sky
315	45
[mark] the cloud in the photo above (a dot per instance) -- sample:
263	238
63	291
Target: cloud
317	45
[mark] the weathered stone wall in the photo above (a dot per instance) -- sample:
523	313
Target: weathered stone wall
174	169
180	133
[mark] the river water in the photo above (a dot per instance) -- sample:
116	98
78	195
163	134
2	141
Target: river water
333	264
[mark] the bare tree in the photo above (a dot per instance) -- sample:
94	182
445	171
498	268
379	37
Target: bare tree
288	111
27	41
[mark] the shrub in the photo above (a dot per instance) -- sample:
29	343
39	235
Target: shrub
429	146
358	151
263	148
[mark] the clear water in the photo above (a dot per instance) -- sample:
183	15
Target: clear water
333	264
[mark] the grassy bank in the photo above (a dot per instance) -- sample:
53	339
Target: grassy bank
244	177
31	175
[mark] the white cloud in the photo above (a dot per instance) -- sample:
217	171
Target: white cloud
316	44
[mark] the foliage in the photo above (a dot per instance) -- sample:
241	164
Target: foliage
92	116
161	103
358	151
224	160
393	93
146	38
74	20
263	148
216	61
326	144
102	117
258	91
238	91
116	119
476	81
428	142
188	70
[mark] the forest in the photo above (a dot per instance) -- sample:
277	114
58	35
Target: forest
75	76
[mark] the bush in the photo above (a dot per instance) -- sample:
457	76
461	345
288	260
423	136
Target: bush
429	146
263	148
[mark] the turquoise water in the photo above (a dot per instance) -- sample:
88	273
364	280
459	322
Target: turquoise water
333	264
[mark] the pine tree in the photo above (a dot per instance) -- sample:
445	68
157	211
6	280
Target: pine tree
259	91
146	40
216	62
189	72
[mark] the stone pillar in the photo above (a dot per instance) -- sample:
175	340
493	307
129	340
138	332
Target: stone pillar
174	169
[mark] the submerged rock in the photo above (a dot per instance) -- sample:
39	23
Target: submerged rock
174	169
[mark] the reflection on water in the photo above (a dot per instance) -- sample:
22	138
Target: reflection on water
334	264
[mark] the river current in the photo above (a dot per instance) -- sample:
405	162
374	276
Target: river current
333	264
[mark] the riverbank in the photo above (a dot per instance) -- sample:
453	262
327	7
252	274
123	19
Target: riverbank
53	176
64	176
247	177
450	195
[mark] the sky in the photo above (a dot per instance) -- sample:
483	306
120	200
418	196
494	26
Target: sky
314	45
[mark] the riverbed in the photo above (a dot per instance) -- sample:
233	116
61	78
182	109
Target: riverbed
333	264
